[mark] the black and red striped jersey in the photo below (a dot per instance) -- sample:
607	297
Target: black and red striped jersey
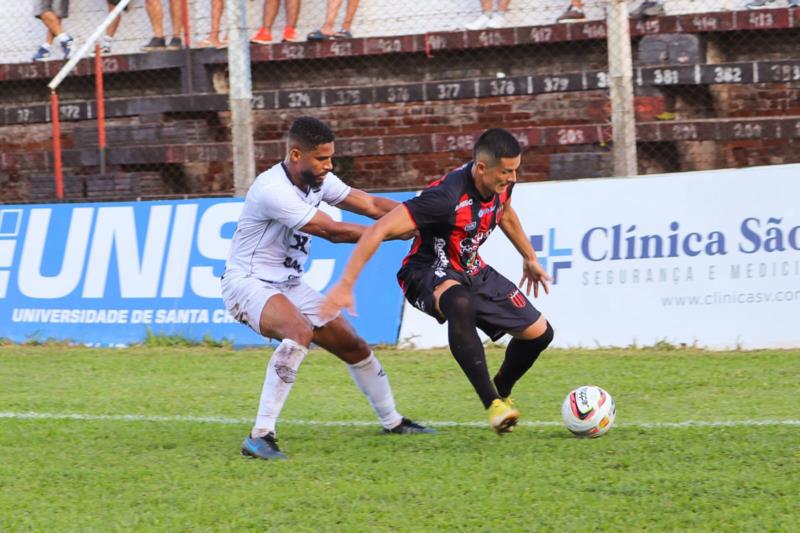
453	221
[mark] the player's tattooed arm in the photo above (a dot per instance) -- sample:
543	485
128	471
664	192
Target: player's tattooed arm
366	204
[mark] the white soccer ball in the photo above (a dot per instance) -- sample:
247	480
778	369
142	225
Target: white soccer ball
588	411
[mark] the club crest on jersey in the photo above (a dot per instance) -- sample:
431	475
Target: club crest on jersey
517	298
471	226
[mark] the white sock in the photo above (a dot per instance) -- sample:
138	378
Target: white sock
63	37
281	373
47	46
374	383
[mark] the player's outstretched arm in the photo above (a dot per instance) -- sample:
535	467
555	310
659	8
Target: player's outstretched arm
322	225
532	271
367	204
398	222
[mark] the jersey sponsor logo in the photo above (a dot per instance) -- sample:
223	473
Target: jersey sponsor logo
464	203
300	242
441	261
293	263
486	210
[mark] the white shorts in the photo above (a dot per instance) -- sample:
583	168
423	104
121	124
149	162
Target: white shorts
245	298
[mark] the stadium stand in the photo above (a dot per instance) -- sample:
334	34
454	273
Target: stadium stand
715	89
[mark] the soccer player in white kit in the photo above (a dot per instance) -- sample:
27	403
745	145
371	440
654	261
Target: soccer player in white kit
263	287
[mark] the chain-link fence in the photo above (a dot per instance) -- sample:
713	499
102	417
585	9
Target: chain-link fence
406	86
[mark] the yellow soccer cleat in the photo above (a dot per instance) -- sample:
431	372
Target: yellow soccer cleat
502	417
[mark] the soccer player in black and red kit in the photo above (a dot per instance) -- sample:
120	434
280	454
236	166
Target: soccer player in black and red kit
444	276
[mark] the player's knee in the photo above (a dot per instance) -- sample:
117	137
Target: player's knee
541	342
360	349
456	302
536	345
302	334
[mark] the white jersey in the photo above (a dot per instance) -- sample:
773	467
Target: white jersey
268	243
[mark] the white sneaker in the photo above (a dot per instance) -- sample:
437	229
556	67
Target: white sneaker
480	23
498	20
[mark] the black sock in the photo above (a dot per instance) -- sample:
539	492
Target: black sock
520	356
465	345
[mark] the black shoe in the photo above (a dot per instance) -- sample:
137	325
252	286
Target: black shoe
265	447
175	44
407	426
156	44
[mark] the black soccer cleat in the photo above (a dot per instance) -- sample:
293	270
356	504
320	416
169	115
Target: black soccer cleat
265	447
407	426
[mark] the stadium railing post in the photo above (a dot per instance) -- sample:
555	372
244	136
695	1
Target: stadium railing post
59	176
101	107
620	74
241	97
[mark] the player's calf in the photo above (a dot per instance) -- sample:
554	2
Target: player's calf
520	356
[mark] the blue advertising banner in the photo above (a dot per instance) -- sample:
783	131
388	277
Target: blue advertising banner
105	274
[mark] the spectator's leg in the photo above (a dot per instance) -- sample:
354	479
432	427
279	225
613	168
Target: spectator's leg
270	13
53	23
502	5
176	16
350	13
216	17
156	15
292	12
112	28
486	6
330	17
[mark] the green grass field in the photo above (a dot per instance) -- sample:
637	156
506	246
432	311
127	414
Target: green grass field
180	473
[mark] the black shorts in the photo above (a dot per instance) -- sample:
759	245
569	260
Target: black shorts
115	2
500	306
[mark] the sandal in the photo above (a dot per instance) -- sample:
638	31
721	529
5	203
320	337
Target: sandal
343	34
317	35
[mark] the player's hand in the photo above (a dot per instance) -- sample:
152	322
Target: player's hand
339	297
532	275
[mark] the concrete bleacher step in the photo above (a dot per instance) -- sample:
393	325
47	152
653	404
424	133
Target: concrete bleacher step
109	186
178	132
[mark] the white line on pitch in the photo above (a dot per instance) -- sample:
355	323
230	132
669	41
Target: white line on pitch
352	423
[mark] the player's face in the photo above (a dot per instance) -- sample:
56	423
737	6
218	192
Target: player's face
315	164
498	177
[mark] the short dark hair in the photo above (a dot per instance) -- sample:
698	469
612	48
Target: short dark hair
309	132
496	143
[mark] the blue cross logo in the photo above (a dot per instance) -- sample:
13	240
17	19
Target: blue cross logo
551	252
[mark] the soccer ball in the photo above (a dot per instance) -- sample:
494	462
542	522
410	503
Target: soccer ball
588	411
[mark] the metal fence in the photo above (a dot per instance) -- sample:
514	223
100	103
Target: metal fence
695	84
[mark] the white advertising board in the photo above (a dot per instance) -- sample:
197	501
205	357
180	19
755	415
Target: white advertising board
702	258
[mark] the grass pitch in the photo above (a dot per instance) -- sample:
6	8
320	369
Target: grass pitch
184	474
